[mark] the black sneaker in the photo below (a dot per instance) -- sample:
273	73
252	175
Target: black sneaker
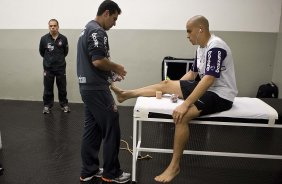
98	174
46	110
123	178
66	109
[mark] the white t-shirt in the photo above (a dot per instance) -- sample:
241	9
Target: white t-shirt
216	59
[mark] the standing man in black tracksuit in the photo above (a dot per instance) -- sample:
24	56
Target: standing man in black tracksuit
94	72
54	48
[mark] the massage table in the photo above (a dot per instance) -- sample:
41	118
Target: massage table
245	111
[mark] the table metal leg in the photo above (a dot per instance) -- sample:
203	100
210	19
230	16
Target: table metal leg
134	156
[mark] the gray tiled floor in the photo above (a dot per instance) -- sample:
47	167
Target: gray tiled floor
45	149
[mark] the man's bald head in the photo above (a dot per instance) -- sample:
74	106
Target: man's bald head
200	22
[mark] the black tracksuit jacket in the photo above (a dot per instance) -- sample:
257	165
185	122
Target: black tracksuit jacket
54	52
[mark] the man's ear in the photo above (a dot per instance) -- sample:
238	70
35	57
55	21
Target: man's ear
201	29
106	13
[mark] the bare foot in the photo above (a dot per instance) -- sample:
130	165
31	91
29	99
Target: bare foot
120	94
168	175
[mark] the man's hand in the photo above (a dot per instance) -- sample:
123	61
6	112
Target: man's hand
179	112
119	69
106	65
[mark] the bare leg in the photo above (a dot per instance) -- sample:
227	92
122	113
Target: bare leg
164	86
180	140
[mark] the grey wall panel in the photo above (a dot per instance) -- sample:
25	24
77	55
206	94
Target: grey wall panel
254	58
277	74
140	51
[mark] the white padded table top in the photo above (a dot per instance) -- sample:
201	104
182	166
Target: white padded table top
243	107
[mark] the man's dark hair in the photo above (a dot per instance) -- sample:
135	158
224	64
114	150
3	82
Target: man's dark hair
55	20
108	5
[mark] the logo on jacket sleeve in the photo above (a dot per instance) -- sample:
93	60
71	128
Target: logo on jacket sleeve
105	40
209	61
218	62
94	37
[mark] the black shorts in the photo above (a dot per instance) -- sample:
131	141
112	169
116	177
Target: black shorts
209	103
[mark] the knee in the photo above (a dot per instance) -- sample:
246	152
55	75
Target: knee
185	120
190	115
164	82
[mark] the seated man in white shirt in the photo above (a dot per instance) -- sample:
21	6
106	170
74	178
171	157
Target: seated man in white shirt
215	91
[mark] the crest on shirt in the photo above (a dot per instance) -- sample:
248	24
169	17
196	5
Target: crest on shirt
50	47
60	43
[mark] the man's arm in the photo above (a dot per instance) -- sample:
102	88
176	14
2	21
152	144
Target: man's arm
66	51
107	65
96	47
199	90
41	47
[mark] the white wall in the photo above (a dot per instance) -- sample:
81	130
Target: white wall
225	15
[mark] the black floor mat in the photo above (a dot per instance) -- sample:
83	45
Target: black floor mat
45	149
